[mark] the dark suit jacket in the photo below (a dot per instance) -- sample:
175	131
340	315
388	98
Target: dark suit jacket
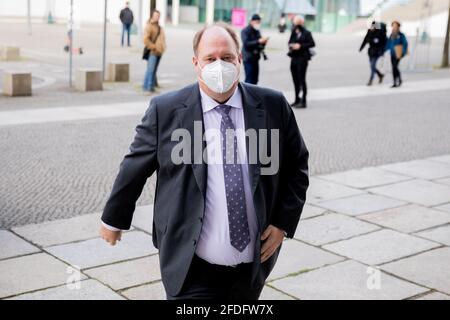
180	189
305	40
251	48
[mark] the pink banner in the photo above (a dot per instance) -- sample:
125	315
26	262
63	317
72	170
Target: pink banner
238	17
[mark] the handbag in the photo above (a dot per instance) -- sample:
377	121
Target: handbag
146	52
398	51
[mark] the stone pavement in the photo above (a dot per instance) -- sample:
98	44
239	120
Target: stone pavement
372	233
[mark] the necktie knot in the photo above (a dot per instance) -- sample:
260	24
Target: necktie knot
223	109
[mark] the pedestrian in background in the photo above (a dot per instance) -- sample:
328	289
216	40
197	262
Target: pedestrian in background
397	44
253	45
301	43
376	38
127	18
155	44
282	23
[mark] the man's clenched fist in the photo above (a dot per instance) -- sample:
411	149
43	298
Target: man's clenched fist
110	236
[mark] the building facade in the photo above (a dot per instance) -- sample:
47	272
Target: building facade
321	15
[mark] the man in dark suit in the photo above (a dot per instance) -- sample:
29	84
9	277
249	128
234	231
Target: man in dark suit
252	47
300	44
218	225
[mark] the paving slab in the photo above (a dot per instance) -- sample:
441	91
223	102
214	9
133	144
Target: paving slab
310	211
128	274
331	227
269	293
443	181
153	291
430	269
61	231
88	290
434	296
346	280
365	177
321	190
439	234
143	218
416	191
12	245
31	272
361	204
421	169
410	218
445	159
296	257
444	207
96	252
380	246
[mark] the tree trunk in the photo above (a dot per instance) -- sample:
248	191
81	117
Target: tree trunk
445	56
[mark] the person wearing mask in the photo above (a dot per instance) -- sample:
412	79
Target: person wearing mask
218	222
376	38
397	45
282	23
155	42
126	17
300	44
252	47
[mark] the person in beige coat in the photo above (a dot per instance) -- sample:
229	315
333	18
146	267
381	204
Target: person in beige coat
155	41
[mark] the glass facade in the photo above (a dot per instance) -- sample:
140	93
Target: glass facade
331	14
334	14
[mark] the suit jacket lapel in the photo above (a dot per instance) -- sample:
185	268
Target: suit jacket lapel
255	118
189	117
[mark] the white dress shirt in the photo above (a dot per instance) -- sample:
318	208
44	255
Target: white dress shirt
214	243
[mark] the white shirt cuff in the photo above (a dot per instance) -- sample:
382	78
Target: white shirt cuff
110	228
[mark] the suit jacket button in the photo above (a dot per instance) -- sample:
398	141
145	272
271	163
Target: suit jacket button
194	242
201	219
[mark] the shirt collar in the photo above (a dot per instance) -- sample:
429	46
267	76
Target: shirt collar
209	103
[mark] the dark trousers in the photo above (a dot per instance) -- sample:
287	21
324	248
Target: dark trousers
373	67
210	281
251	68
126	28
395	70
299	66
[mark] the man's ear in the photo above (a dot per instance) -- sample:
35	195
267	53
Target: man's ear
240	57
194	61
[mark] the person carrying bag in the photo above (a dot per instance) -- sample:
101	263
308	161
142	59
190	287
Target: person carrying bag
155	46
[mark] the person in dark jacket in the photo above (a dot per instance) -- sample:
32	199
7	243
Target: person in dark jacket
376	38
127	18
397	44
252	47
300	44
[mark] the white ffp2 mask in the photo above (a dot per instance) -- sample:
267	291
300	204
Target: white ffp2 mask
219	75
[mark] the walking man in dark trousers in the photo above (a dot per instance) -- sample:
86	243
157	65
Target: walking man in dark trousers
127	18
300	43
252	46
376	38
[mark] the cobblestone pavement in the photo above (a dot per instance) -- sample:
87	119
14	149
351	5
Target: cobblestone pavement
374	233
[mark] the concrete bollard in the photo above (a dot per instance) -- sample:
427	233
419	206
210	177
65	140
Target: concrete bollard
17	84
88	79
9	53
118	72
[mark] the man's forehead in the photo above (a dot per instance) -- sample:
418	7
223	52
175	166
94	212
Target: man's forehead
214	41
